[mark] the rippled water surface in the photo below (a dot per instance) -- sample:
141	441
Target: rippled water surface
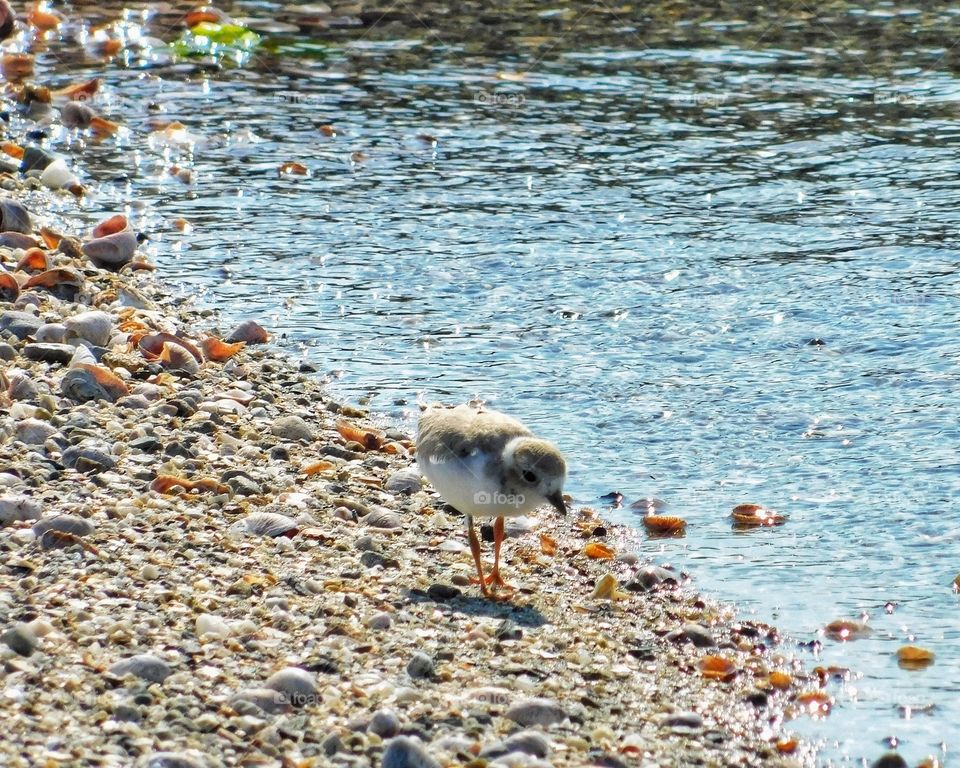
713	256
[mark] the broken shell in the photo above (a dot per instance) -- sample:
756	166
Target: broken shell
665	525
815	703
17	66
598	551
548	545
58	175
16	508
250	332
217	351
152	345
780	680
175	357
270	524
370	439
109	381
608	588
17	240
206	14
81	387
718	668
112	251
14	217
34	260
294	169
847	629
61	282
171	485
754	516
116	223
914	657
94	326
43	19
318	466
9	287
34	431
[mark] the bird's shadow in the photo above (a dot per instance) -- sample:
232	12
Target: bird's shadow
521	614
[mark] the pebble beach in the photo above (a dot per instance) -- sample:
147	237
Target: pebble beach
209	561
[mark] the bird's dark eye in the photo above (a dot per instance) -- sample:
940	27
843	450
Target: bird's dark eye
529	477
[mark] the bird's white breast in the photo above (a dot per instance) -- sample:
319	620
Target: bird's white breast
468	485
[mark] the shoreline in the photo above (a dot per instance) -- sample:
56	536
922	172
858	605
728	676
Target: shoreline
307	602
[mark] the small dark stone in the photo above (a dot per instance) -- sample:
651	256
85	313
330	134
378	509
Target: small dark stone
442	592
279	453
405	752
243	485
20	324
61	354
757	698
78	526
420	666
148	444
486	533
372	559
693	633
332	744
176	448
816	342
384	723
652	577
125	713
87	459
7	352
306	367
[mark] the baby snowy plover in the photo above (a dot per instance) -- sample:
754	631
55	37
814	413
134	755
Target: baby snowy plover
487	464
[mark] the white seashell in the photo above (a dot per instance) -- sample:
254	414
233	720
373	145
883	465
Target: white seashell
212	625
58	175
94	326
51	333
34	431
82	356
265	524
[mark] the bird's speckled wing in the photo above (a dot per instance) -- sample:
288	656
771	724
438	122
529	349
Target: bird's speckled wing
453	434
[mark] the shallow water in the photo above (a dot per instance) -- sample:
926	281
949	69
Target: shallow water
714	259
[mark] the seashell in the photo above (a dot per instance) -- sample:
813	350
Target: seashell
21	386
50	238
146	666
847	629
383	518
9	287
176	358
78	526
754	516
207	14
17	240
780	680
152	345
61	282
188	759
14	217
16	508
171	484
664	525
108	47
17	66
81	387
536	711
608	588
63	540
914	657
212	625
116	223
270	524
404	481
79	91
787	745
112	251
548	545
43	19
327	130
34	431
718	668
318	466
815	703
370	439
58	175
250	332
94	325
113	384
598	551
34	260
293	169
217	351
297	686
267	699
81	356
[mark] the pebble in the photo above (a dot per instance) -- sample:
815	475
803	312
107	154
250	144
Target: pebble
292	428
34	431
145	666
212	625
20	324
15	508
384	723
78	526
406	752
529	742
374	559
7	352
297	686
890	760
51	333
60	354
536	711
652	577
697	634
20	638
81	387
95	326
383	518
88	458
267	700
420	666
379	621
689	720
443	592
404	481
172	760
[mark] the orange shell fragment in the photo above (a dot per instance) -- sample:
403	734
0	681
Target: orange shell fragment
152	344
718	668
294	169
80	91
780	680
217	351
370	439
50	238
34	259
548	545
42	19
816	703
847	629
914	657
14	150
598	551
318	466
9	287
167	484
665	525
52	278
755	516
787	746
113	384
116	223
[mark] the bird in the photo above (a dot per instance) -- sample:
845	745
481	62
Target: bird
487	464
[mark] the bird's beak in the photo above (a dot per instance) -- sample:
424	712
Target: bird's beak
556	499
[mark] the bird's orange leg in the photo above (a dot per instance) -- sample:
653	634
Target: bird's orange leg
475	550
495	578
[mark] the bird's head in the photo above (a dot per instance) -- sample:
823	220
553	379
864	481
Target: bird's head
536	469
